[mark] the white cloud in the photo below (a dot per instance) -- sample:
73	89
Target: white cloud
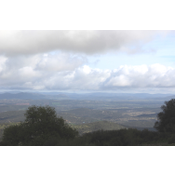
2	63
60	62
30	60
32	71
142	76
82	77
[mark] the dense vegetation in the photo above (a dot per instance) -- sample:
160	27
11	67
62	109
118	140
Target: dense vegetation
123	137
166	118
42	127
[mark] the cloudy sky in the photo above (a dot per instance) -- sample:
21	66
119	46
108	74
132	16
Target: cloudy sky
88	61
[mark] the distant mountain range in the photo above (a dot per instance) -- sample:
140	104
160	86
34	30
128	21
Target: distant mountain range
86	96
21	95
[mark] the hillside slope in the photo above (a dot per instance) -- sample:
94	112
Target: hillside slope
100	125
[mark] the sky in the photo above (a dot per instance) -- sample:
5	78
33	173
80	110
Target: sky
121	61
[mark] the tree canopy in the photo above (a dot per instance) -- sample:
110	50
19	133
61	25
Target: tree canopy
41	127
166	118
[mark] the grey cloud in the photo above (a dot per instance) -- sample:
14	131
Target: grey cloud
87	42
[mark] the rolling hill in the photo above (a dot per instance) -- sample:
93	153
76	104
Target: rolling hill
100	125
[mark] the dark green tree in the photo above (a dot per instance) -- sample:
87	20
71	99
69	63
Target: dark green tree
166	118
41	127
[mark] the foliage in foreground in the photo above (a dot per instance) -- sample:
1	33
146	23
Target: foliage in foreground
166	118
41	127
123	137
